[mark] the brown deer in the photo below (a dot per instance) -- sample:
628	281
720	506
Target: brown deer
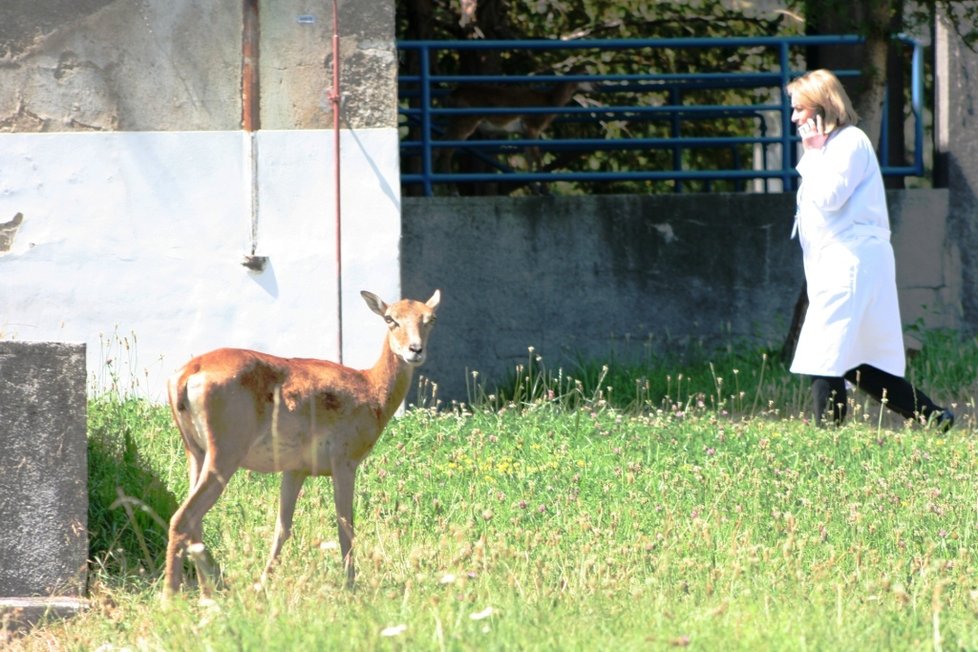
237	408
530	125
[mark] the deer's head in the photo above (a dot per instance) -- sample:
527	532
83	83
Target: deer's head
409	324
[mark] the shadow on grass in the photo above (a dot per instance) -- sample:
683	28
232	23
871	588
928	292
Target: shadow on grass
129	505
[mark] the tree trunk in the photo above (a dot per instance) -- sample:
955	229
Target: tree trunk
898	62
869	102
871	19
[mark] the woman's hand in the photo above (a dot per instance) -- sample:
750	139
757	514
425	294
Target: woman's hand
812	133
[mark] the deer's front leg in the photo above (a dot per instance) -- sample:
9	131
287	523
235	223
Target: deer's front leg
344	476
288	495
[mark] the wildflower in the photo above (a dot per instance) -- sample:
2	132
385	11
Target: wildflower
482	615
447	578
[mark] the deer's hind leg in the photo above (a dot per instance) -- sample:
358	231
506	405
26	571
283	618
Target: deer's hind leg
187	523
209	473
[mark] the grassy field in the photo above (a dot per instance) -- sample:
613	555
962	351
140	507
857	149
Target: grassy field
695	510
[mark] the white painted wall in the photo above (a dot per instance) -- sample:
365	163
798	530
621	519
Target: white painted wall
140	236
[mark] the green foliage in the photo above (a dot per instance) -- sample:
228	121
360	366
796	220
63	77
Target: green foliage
589	19
128	503
946	362
736	378
575	20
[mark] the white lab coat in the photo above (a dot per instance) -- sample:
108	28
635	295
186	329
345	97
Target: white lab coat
843	225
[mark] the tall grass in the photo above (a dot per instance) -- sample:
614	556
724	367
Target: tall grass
733	379
703	513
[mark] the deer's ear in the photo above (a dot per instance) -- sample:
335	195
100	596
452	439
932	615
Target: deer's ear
434	300
374	302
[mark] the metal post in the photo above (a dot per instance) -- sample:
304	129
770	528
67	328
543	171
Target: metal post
334	98
251	110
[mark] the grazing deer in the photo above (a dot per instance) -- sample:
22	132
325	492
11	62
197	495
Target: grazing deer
244	409
531	125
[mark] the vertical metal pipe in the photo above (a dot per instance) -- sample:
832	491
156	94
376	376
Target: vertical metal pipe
675	99
251	103
426	157
250	118
916	104
334	98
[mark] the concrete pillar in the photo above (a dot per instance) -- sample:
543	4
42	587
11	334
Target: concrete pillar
43	481
956	149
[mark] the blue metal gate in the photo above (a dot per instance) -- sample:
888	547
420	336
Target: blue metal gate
424	115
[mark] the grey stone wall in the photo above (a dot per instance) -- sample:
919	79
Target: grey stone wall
166	65
956	146
297	64
588	278
43	470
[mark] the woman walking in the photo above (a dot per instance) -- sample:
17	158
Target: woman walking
852	330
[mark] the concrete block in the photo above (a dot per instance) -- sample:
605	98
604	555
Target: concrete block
22	613
43	477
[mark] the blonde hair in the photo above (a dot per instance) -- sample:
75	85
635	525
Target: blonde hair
821	90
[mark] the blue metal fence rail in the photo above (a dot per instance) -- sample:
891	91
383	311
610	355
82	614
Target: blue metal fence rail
418	109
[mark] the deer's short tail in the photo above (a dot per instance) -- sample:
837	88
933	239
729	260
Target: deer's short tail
176	388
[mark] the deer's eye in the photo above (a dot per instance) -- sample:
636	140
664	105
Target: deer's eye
390	321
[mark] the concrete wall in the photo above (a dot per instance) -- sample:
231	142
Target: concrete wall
593	277
142	234
175	65
43	470
121	146
956	143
